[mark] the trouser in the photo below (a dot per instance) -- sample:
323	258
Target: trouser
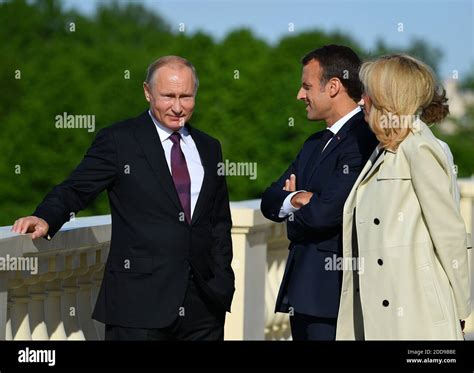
312	328
200	319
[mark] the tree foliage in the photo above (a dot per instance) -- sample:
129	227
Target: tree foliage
96	65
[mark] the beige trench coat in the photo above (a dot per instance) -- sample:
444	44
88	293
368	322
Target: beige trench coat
412	245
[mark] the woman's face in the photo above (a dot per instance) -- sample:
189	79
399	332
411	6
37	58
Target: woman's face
366	103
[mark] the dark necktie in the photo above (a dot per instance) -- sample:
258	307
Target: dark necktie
180	174
327	135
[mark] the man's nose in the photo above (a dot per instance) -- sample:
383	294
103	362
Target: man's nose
301	94
177	106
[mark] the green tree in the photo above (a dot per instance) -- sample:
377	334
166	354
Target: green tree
56	61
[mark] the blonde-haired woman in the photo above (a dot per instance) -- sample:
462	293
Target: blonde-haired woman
402	231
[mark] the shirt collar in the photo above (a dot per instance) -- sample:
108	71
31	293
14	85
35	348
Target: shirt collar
338	125
165	132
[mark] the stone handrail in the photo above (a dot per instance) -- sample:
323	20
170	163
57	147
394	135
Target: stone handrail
53	299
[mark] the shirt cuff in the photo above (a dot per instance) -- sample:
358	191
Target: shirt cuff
287	208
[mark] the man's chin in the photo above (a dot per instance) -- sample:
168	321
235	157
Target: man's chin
175	126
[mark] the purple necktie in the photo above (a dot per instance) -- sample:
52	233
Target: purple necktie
180	174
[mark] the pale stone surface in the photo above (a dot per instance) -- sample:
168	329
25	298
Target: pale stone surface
57	302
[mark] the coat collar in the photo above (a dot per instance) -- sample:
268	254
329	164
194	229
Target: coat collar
149	140
165	132
370	166
336	140
418	127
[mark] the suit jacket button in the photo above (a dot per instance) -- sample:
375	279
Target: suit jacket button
380	262
385	303
376	221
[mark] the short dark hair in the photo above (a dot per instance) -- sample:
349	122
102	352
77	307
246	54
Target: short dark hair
338	61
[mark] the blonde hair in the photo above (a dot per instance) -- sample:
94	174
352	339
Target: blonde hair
402	89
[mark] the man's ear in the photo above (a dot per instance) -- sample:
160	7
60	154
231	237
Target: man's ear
367	103
334	86
146	91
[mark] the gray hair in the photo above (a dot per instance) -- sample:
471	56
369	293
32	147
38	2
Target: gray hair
171	60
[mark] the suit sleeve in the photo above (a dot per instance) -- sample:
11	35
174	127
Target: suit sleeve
324	211
222	240
274	195
445	224
96	172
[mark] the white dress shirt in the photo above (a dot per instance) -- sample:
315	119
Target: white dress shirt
287	208
191	154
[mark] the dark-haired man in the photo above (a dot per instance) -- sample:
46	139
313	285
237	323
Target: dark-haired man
310	194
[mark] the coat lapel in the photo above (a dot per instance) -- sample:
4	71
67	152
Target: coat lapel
311	162
316	159
205	193
350	201
149	140
376	165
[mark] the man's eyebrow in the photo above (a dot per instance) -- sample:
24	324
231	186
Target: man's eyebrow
175	95
306	84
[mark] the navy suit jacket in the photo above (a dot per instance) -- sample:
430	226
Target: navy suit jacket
311	282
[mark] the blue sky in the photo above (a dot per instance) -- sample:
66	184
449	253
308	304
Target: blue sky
448	25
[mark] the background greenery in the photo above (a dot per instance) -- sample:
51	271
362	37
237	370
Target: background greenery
82	72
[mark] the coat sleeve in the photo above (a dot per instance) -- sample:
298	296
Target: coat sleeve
324	211
450	158
97	171
274	195
431	182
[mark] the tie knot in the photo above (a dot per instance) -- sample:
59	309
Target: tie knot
175	137
327	134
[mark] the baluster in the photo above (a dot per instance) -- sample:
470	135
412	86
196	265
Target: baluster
39	331
20	324
69	301
52	303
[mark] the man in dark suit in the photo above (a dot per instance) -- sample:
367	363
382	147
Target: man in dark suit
310	194
168	275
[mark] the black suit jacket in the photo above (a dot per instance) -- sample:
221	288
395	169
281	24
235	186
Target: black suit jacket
311	283
152	249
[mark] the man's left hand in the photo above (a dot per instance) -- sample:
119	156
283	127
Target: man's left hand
290	184
299	199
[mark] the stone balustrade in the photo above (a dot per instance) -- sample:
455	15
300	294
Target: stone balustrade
54	298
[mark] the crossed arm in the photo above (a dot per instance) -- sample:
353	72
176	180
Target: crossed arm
299	199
